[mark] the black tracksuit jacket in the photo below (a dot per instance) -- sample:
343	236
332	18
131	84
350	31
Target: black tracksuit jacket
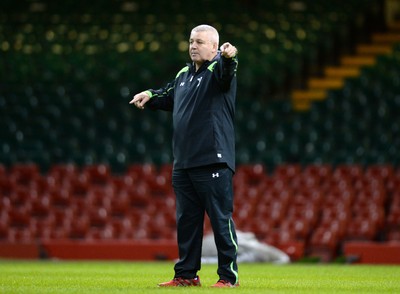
203	108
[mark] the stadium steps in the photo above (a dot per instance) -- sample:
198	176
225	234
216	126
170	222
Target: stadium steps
334	77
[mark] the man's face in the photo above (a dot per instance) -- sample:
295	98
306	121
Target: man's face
201	48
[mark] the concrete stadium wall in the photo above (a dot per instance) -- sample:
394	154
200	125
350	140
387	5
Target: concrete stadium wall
372	252
358	252
91	250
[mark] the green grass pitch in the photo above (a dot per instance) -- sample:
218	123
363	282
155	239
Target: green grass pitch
142	277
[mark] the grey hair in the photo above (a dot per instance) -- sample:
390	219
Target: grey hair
204	27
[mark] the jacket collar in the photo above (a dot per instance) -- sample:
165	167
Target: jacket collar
204	65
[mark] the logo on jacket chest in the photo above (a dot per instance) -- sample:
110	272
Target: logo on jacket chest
191	80
199	80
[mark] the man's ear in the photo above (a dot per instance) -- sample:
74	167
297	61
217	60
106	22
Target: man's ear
215	47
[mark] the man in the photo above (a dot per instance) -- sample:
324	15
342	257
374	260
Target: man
202	100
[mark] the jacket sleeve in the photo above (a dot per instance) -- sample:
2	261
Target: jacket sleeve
225	71
163	98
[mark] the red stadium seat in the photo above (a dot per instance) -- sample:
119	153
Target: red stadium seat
7	186
122	228
300	228
318	205
24	173
98	217
60	176
308	212
369	184
361	229
166	171
19	217
393	235
260	227
79	186
62	217
287	171
120	206
42	228
396	197
64	171
318	171
40	207
251	174
393	184
372	195
334	204
44	184
5	205
99	197
324	244
309	195
335	215
142	171
272	211
59	198
393	218
373	212
342	194
20	235
158	230
304	183
98	174
159	185
139	196
278	236
3	231
22	195
79	228
383	171
122	183
349	172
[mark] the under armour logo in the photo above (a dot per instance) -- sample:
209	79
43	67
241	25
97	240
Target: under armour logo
216	175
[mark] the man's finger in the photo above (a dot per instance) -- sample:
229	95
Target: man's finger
224	46
136	98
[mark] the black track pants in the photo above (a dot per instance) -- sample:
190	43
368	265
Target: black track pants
199	190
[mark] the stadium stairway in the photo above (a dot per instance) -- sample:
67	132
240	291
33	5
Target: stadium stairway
350	66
